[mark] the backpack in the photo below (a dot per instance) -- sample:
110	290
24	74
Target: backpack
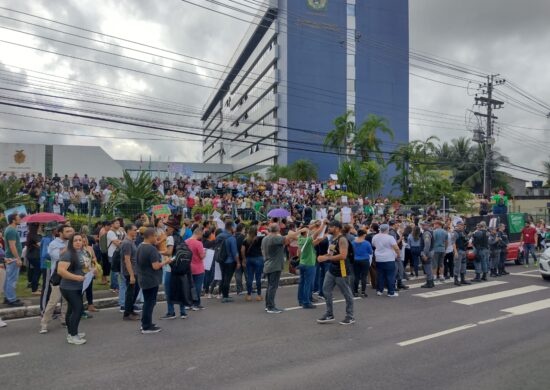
116	260
103	243
351	252
220	250
182	259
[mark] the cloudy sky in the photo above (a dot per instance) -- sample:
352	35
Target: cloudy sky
494	36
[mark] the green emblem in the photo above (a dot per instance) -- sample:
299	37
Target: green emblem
317	5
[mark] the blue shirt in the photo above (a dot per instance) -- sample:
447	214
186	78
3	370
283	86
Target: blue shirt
362	250
44	251
230	247
440	236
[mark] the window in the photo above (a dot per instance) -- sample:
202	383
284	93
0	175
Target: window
274	114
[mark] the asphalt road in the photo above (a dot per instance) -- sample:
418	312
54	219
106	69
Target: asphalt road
411	342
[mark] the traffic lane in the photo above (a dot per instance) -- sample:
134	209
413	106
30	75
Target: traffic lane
234	336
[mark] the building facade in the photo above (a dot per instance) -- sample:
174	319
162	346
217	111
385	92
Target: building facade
301	64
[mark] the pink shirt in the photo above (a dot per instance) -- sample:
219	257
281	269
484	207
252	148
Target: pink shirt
197	265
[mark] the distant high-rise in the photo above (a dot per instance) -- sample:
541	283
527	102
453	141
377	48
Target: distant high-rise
305	63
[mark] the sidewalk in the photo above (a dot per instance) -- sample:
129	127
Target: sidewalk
104	299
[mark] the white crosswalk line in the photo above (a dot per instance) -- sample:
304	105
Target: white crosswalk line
499	295
529	307
434	335
456	290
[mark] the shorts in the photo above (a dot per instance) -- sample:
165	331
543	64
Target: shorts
437	259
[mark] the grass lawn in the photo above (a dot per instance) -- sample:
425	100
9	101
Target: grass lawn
24	292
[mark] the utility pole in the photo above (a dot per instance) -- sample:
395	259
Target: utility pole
487	139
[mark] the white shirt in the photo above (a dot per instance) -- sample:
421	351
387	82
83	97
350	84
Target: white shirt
111	236
106	195
384	244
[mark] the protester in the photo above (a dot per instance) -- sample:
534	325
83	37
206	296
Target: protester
427	254
165	244
149	271
306	253
363	253
55	250
70	268
529	242
338	274
231	262
12	260
386	252
33	257
440	238
197	264
128	253
480	241
90	263
414	241
251	253
273	251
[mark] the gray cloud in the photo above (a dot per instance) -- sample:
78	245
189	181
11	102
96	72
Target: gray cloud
506	37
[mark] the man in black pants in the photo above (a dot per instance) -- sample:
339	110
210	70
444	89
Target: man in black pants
128	252
149	271
231	262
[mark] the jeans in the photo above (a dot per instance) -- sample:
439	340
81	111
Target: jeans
12	274
399	270
114	276
305	286
481	260
169	305
272	286
130	297
460	264
121	290
239	273
90	294
74	309
227	274
208	279
343	285
321	271
361	271
149	302
415	254
198	280
529	248
427	267
254	269
386	274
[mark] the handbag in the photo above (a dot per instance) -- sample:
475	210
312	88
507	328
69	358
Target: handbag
295	261
55	279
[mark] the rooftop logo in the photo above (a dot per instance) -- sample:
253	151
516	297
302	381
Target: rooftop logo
317	5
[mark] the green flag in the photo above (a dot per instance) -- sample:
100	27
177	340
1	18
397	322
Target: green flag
516	221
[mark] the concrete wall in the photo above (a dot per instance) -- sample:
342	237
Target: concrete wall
22	158
93	160
537	206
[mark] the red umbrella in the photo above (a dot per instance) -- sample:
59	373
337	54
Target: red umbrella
43	218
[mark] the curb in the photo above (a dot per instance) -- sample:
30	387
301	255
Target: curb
102	303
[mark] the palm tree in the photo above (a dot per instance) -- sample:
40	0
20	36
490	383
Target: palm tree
366	139
362	178
303	170
10	195
276	171
133	195
338	138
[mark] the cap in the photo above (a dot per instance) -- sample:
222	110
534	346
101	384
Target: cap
391	223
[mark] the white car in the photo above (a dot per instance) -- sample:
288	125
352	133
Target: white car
544	264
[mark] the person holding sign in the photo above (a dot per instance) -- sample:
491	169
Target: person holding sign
337	274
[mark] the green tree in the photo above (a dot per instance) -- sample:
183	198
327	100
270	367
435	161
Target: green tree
303	170
366	138
131	196
362	178
10	196
337	139
276	171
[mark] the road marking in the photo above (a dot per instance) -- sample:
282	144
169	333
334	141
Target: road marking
7	355
529	275
525	272
319	304
435	335
455	290
500	295
529	307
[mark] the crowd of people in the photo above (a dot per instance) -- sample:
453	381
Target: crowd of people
347	243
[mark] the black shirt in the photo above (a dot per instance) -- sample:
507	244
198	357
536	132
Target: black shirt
254	249
148	278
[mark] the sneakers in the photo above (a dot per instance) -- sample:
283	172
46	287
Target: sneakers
183	316
43	331
227	300
138	308
3	324
195	308
168	316
356	295
76	340
310	306
152	329
364	294
86	316
248	298
325	319
198	307
209	296
379	293
394	295
274	311
131	317
347	321
259	298
121	309
16	303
